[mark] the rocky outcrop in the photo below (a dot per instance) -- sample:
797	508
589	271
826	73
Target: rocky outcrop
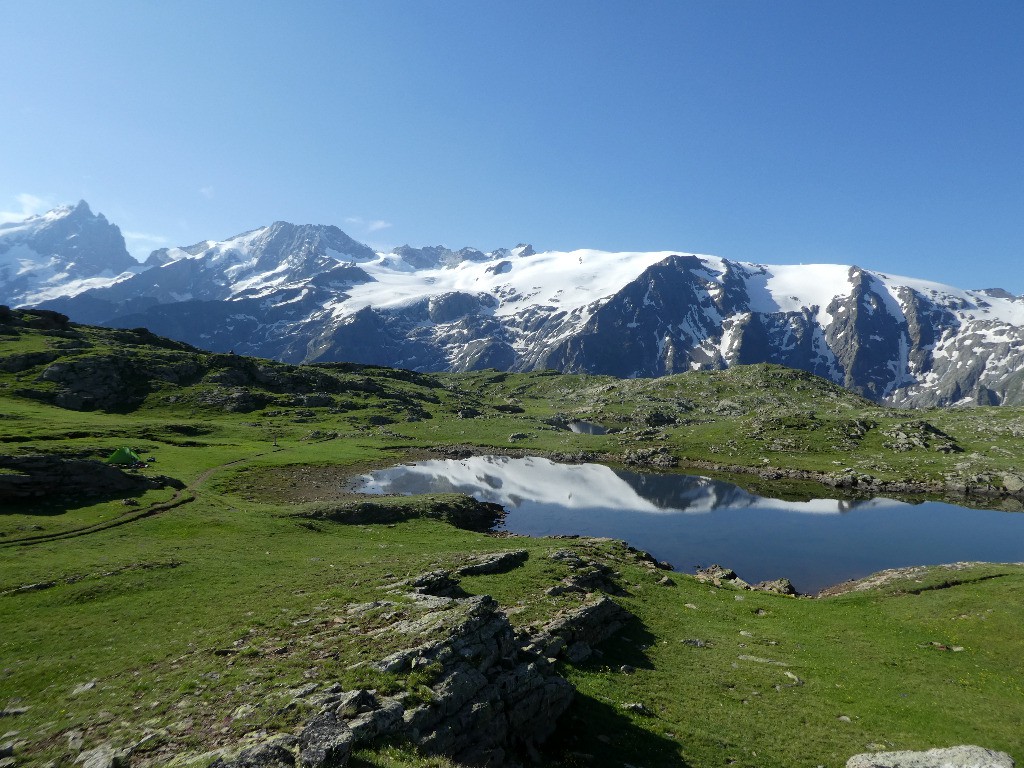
719	576
105	382
585	575
491	694
650	457
22	362
573	634
38	319
982	488
457	509
39	476
499	562
951	757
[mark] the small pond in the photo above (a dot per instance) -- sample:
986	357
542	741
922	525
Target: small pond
586	428
691	520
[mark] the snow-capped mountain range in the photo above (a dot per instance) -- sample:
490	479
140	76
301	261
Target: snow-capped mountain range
63	252
311	293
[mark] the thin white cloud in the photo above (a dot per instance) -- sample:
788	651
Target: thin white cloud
30	206
142	238
206	192
373	225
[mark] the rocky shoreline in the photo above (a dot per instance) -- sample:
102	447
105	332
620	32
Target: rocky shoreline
986	486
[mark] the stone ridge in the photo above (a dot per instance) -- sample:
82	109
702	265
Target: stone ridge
494	695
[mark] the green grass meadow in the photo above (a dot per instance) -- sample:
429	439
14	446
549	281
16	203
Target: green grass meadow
187	630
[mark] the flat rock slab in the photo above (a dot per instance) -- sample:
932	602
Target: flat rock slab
951	757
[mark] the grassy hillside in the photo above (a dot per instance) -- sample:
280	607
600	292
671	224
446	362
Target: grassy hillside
193	620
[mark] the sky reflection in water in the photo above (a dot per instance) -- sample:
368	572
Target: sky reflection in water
690	520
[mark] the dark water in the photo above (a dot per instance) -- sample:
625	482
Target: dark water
587	428
691	520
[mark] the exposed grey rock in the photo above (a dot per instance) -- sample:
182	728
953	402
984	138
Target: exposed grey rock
650	457
353	703
83	687
437	583
951	757
719	575
493	695
578	652
586	576
277	752
777	586
590	623
1013	482
381	721
26	360
103	756
326	742
499	562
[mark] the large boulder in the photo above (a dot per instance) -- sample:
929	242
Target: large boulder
964	756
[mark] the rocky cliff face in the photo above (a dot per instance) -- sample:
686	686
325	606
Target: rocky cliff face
67	249
311	293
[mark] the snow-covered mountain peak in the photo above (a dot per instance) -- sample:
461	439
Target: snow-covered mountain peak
310	292
62	251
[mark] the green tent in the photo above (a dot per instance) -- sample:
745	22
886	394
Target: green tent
124	456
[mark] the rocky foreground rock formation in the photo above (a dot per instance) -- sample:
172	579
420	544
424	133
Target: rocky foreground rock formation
493	693
951	757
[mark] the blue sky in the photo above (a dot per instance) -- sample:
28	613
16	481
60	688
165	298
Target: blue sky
884	133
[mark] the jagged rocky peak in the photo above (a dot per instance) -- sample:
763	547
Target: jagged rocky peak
85	243
999	293
258	262
42	255
310	292
437	256
158	258
520	251
297	241
429	257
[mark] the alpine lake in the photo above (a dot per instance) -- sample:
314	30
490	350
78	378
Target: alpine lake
692	521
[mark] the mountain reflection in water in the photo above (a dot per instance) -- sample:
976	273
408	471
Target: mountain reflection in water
811	542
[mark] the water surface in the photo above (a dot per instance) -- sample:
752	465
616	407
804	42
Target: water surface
690	520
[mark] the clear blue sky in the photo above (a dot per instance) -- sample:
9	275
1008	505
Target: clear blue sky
886	133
